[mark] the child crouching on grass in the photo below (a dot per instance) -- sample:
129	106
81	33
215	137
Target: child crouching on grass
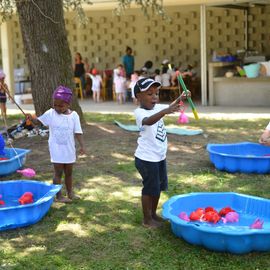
64	125
150	155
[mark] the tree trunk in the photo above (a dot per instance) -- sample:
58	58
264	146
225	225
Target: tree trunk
47	50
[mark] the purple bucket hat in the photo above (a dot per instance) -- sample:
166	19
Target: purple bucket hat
63	93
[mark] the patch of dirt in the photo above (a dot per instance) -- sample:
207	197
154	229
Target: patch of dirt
105	141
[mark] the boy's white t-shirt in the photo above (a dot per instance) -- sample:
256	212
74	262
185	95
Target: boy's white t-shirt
62	128
152	142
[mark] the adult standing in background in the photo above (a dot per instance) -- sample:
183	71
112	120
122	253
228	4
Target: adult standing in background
128	62
86	65
79	70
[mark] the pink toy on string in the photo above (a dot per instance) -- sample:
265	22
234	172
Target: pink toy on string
184	216
1	201
230	217
183	119
28	172
257	224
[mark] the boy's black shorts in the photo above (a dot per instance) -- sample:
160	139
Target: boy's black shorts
154	176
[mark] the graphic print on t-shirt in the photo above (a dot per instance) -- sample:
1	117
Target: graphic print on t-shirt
60	132
161	132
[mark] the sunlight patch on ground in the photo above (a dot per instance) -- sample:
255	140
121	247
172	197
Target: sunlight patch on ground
96	226
75	229
235	116
184	148
126	226
117	194
80	211
181	127
173	148
98	182
10	247
244	189
121	156
103	128
134	191
34	249
128	194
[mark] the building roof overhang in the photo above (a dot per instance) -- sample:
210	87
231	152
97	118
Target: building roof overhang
111	4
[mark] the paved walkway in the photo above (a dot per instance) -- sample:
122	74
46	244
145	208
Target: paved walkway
215	112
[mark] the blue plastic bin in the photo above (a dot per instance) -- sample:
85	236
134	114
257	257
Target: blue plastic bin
14	215
236	237
243	157
16	159
252	70
2	145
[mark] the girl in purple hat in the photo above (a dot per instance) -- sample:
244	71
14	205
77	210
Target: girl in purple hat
3	95
64	125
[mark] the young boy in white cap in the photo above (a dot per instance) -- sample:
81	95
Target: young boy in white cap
150	155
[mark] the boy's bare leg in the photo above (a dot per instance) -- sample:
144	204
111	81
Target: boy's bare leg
155	200
148	221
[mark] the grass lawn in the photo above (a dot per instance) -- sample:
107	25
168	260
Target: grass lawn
103	230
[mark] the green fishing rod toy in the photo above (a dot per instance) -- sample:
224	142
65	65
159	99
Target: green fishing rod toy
181	81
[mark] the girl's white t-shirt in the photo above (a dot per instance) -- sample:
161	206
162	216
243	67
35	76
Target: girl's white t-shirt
62	128
165	79
152	142
119	83
96	82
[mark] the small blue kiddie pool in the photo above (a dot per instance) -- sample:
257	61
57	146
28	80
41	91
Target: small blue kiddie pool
243	157
13	214
236	237
12	159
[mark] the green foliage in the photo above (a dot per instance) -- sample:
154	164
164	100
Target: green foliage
7	8
155	6
76	5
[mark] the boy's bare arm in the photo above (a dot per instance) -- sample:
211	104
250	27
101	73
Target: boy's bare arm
173	107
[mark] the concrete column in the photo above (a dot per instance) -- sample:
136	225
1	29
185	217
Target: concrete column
7	55
203	55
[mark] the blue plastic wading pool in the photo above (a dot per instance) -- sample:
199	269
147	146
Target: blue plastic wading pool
16	159
13	214
235	237
244	157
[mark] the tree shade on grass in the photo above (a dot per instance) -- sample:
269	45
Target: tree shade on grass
103	230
